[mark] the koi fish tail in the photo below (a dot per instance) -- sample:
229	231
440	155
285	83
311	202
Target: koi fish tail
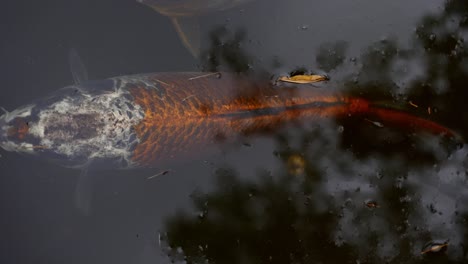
385	115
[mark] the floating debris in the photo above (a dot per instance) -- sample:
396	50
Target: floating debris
413	104
159	174
371	204
435	246
303	78
296	164
161	82
375	123
188	97
40	147
217	74
33	147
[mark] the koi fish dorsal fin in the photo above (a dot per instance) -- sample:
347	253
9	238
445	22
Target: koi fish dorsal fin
188	29
77	68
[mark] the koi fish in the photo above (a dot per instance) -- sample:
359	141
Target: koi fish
147	120
184	13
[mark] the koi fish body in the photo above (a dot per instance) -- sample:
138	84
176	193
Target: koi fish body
143	120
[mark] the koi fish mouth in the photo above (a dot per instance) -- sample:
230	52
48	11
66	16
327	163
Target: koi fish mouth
14	129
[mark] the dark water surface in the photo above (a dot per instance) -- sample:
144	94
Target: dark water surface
299	195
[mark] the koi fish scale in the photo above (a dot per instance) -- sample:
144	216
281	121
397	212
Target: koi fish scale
184	112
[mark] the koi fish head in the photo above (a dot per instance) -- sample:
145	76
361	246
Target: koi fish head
25	130
73	127
14	130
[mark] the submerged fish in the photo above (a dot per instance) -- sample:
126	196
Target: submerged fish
149	119
145	120
184	13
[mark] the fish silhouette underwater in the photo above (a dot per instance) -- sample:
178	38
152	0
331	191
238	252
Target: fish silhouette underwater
147	120
184	16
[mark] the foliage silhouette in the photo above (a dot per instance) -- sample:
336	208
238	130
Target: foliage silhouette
319	215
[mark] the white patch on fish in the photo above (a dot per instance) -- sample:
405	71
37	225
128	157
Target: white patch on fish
109	125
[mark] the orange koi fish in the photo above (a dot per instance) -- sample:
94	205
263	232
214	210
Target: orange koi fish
149	120
145	120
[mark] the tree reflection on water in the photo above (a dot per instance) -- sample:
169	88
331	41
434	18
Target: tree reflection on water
318	214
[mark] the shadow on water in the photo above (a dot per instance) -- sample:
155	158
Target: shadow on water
226	50
349	191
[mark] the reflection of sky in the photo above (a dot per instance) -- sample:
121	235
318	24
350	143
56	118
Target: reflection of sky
418	201
442	191
435	195
277	31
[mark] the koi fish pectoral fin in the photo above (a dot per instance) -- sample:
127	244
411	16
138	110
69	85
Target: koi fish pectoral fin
84	190
77	68
188	29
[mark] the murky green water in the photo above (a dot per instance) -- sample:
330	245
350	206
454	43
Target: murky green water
335	190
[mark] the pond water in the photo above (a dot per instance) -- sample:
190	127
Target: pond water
347	190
